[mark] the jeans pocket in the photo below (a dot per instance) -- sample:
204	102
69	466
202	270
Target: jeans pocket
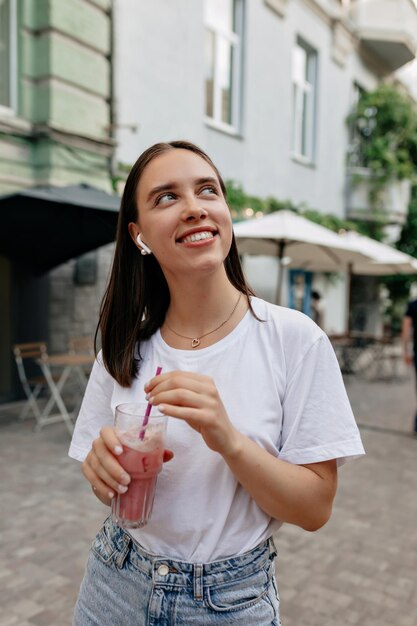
272	597
103	546
236	595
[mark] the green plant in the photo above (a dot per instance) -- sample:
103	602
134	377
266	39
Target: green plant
239	202
399	286
384	131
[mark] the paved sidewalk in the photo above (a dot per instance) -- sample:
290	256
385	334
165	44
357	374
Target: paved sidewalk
359	569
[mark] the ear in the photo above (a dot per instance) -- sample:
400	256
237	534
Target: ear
134	231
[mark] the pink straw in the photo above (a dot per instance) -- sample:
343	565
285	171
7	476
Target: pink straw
148	411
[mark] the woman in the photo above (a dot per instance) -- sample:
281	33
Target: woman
259	418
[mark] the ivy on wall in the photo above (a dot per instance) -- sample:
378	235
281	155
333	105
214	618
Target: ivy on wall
384	134
244	206
399	286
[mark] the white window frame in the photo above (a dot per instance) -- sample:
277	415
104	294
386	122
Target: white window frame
11	108
235	40
307	136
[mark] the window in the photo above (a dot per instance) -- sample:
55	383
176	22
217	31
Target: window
7	53
223	48
304	71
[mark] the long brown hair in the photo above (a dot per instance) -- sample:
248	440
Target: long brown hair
137	297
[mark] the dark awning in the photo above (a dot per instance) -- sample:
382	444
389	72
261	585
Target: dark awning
43	227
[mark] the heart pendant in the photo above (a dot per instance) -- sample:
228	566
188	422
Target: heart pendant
195	342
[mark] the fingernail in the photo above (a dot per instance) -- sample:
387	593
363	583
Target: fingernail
147	396
118	449
121	488
161	408
125	479
110	494
150	399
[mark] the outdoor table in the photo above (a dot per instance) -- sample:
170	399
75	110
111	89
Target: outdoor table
358	351
68	362
348	350
386	357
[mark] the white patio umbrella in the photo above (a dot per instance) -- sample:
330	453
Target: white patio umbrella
384	259
308	245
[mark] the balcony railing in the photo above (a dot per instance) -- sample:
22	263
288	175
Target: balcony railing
391	202
388	28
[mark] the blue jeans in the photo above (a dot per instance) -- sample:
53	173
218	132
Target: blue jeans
126	586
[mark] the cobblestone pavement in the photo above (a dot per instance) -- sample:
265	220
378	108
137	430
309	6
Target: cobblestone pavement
361	568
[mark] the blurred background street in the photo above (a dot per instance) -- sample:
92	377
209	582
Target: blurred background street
309	110
359	569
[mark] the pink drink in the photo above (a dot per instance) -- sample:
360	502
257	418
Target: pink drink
142	458
133	508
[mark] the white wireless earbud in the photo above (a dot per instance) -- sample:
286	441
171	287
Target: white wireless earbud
145	250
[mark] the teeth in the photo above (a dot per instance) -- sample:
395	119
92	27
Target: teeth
198	237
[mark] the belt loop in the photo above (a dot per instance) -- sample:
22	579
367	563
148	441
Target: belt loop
272	549
198	581
122	554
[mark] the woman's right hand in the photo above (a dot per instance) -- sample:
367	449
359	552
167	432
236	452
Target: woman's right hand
102	470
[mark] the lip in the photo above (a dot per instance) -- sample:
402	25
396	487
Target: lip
198	229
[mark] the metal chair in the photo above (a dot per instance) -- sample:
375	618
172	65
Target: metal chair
27	354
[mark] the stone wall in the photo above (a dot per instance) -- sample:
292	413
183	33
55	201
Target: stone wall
74	309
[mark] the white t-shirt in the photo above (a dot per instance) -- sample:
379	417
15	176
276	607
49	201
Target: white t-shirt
281	385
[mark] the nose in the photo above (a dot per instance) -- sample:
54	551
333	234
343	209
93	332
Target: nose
193	212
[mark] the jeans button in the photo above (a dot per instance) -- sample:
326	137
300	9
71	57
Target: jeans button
163	570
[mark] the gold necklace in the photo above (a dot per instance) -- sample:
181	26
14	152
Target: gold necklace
195	341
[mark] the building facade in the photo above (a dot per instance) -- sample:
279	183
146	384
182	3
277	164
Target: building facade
265	86
55	129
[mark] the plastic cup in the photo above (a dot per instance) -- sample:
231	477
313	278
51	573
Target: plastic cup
142	458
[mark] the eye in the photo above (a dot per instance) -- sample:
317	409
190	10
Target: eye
165	197
208	190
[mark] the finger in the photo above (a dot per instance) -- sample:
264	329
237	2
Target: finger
106	465
119	484
175	378
187	414
100	488
181	397
111	440
102	492
182	384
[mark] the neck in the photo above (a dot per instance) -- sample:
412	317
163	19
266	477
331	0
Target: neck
196	307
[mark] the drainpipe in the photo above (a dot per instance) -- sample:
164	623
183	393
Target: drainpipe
113	104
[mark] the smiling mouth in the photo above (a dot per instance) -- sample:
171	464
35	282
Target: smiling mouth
200	236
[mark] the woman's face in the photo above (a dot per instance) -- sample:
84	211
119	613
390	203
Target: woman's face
183	215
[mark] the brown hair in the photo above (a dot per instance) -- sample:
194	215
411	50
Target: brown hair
137	296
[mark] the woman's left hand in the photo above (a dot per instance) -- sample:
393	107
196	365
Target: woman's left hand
195	399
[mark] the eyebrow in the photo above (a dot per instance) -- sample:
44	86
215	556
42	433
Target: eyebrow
169	186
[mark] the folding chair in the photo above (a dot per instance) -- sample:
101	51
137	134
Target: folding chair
27	356
24	354
81	345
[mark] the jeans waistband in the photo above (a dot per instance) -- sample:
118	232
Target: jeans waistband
174	572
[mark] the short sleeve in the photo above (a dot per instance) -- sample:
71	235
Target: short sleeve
95	411
318	423
409	310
